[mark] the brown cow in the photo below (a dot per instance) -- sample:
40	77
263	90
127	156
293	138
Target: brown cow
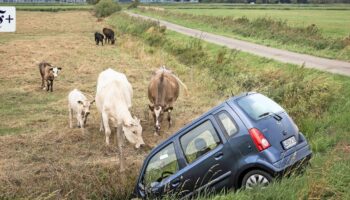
163	91
48	74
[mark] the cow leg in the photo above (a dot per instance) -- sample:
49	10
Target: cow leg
169	118
120	146
47	85
80	121
70	117
101	125
43	83
106	127
51	83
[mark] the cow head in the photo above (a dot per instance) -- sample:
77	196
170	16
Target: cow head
55	70
113	40
133	132
158	113
85	109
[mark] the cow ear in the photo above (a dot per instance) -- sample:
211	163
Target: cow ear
137	120
93	101
151	107
51	68
59	68
80	102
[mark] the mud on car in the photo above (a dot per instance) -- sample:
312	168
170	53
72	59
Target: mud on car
244	142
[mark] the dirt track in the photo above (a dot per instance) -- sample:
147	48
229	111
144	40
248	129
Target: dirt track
333	66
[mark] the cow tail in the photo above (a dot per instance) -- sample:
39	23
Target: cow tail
181	83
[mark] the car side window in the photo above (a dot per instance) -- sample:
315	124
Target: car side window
199	141
227	123
161	165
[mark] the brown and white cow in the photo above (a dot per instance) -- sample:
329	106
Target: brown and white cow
48	74
163	90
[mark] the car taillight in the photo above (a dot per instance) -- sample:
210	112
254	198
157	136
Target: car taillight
259	139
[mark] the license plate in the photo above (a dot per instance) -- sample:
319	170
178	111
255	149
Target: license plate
288	143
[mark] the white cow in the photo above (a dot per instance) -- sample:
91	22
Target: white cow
113	101
80	106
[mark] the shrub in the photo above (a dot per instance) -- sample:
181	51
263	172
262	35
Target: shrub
105	8
134	4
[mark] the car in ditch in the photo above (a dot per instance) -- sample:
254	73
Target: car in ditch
246	141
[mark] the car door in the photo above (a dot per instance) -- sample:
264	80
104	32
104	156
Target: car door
159	171
237	138
207	159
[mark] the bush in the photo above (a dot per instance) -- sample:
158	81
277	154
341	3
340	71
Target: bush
105	8
134	4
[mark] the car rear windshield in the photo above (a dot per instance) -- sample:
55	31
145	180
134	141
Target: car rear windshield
258	106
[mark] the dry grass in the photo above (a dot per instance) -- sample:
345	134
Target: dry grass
40	157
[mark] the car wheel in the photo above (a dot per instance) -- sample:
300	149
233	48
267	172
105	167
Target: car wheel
256	178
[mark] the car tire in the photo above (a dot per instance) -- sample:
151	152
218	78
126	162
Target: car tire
256	178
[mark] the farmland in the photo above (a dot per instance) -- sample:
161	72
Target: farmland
312	30
40	157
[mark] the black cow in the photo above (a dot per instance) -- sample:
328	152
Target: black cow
99	38
109	34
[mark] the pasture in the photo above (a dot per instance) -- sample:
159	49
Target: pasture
333	23
40	157
321	31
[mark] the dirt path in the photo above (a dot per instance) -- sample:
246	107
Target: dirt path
333	66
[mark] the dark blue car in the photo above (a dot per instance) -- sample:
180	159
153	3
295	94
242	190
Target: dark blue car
244	142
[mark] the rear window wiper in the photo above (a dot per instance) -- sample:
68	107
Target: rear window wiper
274	115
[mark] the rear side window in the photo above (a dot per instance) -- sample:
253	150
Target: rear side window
199	141
227	123
257	106
161	165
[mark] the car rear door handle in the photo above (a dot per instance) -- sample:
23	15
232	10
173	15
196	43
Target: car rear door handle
218	155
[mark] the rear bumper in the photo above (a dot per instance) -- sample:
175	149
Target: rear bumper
299	156
293	161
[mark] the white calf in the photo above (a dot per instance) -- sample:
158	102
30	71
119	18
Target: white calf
80	106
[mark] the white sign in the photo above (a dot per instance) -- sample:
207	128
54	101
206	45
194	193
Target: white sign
7	19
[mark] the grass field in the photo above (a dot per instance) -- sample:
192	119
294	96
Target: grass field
40	157
299	30
333	23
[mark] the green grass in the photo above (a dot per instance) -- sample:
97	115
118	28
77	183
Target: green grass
317	101
253	7
333	23
276	32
